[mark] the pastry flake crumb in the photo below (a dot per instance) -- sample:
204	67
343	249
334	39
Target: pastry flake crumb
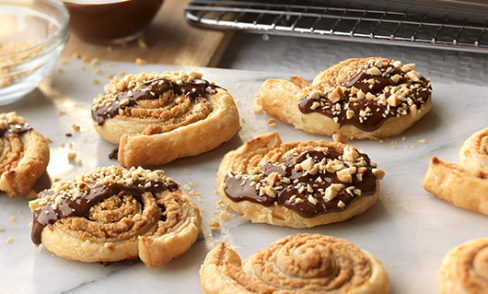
96	82
98	71
60	70
238	85
339	138
192	184
186	187
2	229
194	193
75	127
109	76
13	218
224	215
142	43
10	239
30	225
272	122
422	141
214	224
238	101
140	61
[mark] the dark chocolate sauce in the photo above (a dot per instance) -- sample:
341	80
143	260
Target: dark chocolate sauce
378	111
114	154
69	207
152	90
237	191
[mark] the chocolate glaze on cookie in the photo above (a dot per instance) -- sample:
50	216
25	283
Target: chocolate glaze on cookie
366	99
305	189
80	206
151	90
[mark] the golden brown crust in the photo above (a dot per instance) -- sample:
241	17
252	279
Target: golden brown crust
23	157
168	125
463	185
193	139
302	264
464	269
251	157
280	98
157	228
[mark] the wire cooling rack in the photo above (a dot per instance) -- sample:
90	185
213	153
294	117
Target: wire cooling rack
317	20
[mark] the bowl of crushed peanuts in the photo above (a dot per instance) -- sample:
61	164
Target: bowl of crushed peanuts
33	33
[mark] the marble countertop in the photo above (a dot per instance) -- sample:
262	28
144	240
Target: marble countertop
408	229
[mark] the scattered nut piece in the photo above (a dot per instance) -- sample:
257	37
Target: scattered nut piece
71	156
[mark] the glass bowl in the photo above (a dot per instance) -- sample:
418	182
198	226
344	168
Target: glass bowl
33	33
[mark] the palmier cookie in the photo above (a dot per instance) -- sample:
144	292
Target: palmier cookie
156	118
116	214
302	264
359	98
464	270
24	155
297	184
464	185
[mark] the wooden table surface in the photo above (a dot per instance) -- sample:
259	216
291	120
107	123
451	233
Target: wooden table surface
169	38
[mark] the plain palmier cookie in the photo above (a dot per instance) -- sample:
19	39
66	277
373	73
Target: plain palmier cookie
156	118
464	270
464	185
296	264
297	184
115	214
359	98
24	155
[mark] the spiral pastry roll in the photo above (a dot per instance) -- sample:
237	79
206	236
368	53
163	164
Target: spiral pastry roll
24	155
297	184
116	214
302	264
464	185
359	98
464	270
156	118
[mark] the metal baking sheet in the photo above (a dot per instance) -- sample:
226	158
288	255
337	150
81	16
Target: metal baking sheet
408	229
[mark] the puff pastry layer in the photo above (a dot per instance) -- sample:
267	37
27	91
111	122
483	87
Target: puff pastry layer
156	118
115	214
359	98
296	264
297	184
464	185
24	155
464	270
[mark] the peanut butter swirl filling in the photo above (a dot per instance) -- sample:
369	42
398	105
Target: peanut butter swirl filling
379	90
111	203
170	99
308	180
304	263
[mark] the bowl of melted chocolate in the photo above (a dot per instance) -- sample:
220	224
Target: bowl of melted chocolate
111	21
